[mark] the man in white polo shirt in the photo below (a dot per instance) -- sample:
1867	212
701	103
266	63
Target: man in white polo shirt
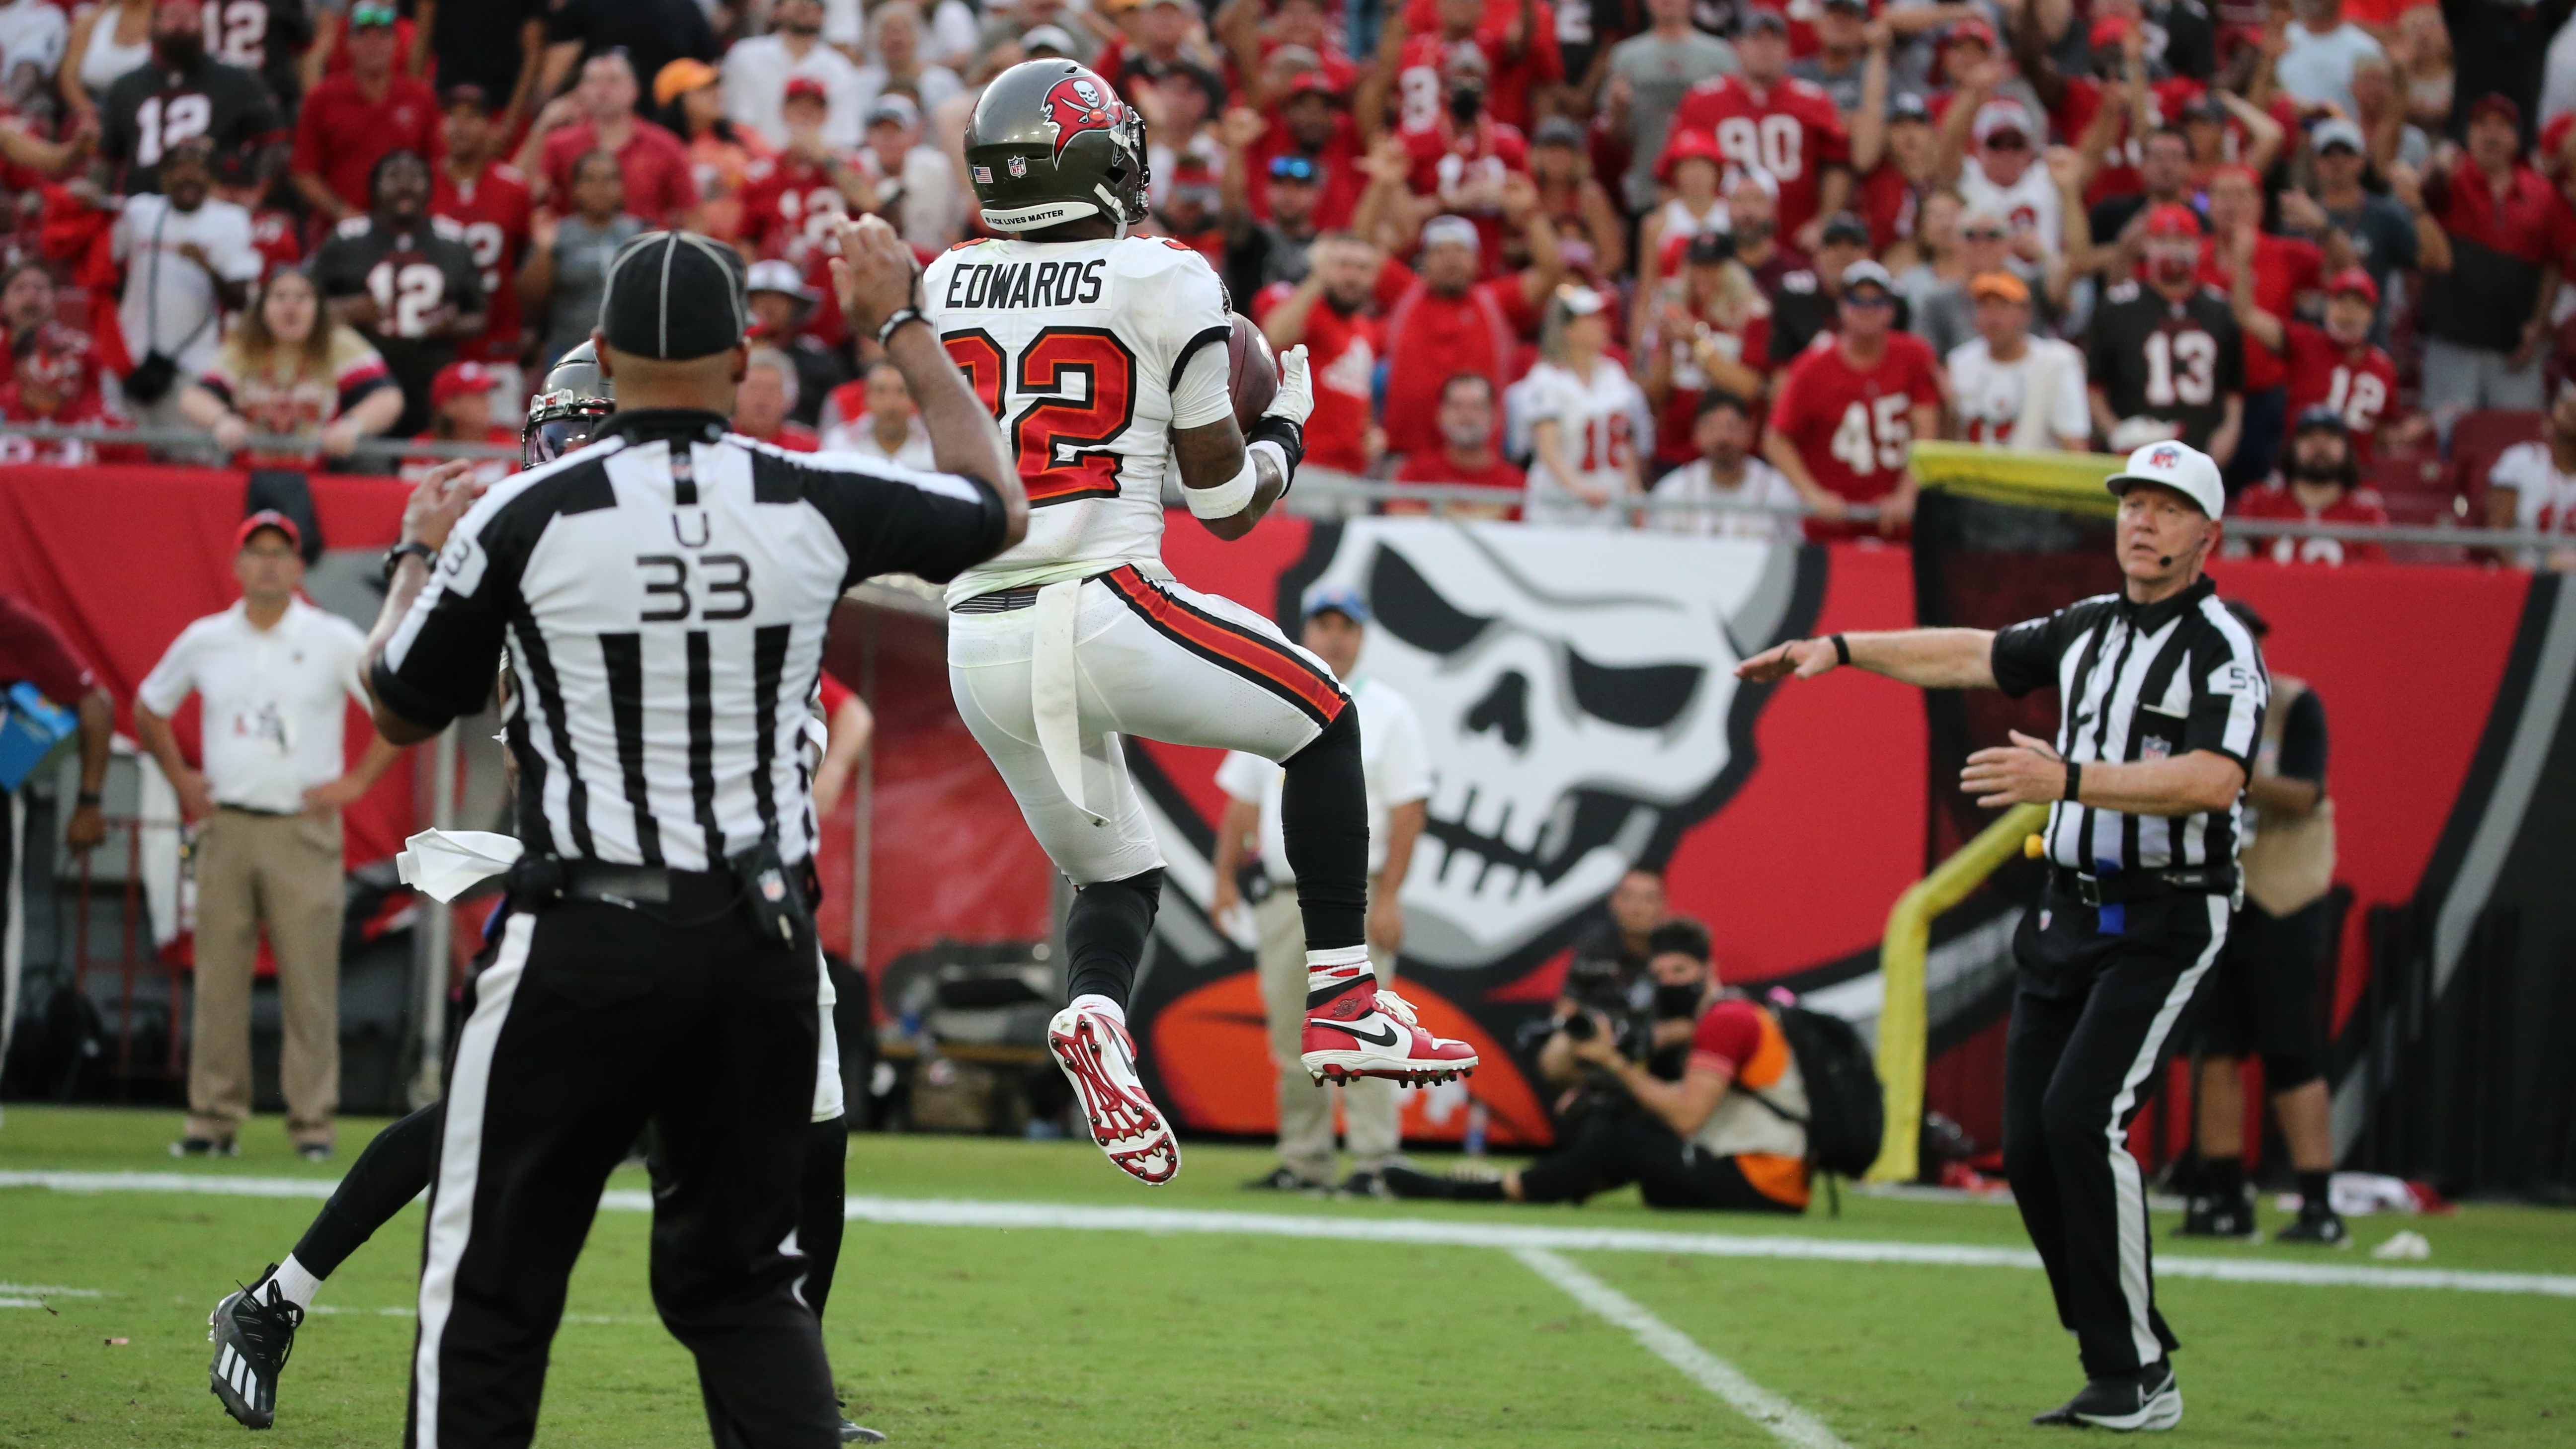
276	676
1398	772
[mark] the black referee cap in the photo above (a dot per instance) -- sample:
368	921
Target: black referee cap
674	296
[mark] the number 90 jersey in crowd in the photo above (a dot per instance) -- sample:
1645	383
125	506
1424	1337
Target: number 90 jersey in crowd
1084	351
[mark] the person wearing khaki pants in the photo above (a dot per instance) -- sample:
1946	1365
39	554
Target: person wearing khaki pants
1397	771
275	676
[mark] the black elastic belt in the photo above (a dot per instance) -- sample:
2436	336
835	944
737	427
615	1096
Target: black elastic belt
1002	602
2113	890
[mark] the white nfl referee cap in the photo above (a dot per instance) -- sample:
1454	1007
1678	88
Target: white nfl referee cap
2178	466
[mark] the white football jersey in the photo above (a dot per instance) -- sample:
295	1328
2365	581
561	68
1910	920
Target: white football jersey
1079	349
1993	396
1603	426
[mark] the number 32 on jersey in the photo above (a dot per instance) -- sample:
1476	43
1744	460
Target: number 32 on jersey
1077	387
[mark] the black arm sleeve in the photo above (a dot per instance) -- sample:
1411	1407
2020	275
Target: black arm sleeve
2303	740
442	661
936	525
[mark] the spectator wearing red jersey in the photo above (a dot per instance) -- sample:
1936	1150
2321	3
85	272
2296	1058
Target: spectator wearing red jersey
1767	118
599	115
1847	412
2490	287
2225	130
2322	486
2093	112
1517	40
1560	162
352	121
489	202
791	200
1753	217
1694	172
1327	312
1313	122
765	399
2284	269
1894	153
1460	163
2334	367
54	377
1708	328
1466	455
460	411
1448	322
276	234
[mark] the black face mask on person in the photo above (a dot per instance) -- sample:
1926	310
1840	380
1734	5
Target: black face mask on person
179	49
1466	102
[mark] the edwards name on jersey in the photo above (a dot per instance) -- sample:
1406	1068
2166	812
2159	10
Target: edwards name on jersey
1080	350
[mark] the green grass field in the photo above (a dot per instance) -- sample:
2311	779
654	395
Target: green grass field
1074	1337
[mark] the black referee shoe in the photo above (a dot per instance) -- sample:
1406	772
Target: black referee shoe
2144	1402
253	1331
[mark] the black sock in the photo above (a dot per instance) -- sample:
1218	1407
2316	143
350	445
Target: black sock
819	1197
393	1170
1104	934
2314	1201
1323	821
2224	1177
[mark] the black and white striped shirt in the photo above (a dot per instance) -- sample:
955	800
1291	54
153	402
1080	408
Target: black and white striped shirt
663	594
2142	682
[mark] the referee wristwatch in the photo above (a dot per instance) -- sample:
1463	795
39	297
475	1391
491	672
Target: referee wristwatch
409	547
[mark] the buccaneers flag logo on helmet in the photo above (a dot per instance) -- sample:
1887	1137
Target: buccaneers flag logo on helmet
1080	103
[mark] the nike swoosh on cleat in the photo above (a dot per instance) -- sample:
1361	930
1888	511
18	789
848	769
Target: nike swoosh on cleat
1385	1037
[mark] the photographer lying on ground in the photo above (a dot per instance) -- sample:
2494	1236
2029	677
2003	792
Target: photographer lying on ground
1681	1104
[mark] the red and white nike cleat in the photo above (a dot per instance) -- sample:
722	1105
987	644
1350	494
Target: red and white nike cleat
1364	1034
1099	1057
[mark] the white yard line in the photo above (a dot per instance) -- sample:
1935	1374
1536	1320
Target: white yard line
1786	1421
1428	1232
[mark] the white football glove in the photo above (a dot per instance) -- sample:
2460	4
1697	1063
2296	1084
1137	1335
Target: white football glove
1296	388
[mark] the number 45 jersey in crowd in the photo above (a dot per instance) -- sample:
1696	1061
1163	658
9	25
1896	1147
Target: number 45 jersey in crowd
1080	350
2157	358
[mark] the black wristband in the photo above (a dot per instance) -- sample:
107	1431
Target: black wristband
394	556
1290	437
2074	782
908	314
89	797
1842	650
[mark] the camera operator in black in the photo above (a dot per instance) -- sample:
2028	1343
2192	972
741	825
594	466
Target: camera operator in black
1695	1099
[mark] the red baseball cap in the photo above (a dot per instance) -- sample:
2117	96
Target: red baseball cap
1682	147
1314	82
268	518
2109	30
2497	105
457	379
2353	279
2174	219
806	85
1975	29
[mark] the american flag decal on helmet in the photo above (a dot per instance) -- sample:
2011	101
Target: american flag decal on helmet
983	175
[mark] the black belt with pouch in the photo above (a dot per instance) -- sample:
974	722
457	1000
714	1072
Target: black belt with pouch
776	900
2127	886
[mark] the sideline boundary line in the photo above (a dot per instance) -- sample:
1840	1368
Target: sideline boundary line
1426	1232
1786	1422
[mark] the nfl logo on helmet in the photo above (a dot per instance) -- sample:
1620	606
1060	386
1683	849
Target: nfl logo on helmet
1019	166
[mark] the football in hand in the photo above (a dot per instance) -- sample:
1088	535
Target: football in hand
1253	370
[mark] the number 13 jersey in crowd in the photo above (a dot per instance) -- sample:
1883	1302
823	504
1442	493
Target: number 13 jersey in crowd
2157	358
1084	351
663	595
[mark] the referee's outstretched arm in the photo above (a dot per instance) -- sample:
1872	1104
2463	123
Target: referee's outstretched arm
2028	770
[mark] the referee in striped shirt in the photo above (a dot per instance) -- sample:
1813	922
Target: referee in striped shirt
662	595
2162	695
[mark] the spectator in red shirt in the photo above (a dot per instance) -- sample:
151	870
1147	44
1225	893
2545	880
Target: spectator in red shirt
1753	216
1328	313
1314	122
1449	323
33	651
1847	413
2334	367
1466	454
2490	287
1460	163
1710	327
599	115
1517	40
2284	269
1767	118
352	121
2323	486
767	395
460	411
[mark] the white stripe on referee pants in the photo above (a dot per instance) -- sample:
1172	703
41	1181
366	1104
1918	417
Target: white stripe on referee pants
460	1160
2128	1186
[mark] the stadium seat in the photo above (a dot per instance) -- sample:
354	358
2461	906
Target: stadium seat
2477	440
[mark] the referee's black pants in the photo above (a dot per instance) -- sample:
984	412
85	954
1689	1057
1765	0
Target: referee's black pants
2092	1030
592	1020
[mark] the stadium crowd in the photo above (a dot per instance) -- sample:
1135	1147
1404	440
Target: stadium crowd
1573	254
